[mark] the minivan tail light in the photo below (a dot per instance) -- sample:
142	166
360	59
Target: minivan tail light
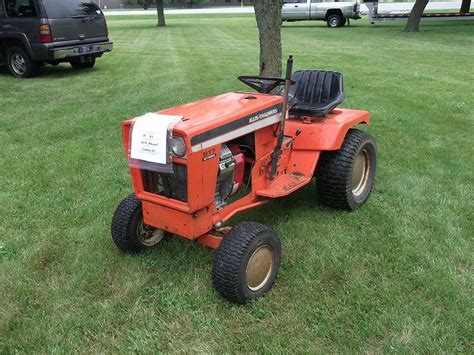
45	34
106	28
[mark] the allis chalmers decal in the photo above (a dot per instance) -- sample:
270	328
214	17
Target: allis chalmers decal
263	115
234	129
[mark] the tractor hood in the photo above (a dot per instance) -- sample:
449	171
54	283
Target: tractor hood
209	121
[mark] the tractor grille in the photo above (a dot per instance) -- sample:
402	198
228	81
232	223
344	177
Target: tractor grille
174	185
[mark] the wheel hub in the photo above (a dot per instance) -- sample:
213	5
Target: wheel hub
360	173
259	267
149	236
18	63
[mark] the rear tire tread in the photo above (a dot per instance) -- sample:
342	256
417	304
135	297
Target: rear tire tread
334	171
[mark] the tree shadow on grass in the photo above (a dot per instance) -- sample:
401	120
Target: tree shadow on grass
151	25
424	26
63	70
312	25
451	24
49	71
4	71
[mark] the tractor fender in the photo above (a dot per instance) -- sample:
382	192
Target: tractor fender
325	133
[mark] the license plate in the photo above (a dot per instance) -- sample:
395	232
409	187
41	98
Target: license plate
84	49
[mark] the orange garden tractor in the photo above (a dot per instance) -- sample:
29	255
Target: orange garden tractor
195	166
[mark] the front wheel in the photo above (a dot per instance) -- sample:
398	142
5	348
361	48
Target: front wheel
345	177
20	64
334	21
129	232
247	262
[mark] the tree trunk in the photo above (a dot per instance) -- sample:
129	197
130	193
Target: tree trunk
465	6
268	15
413	23
161	13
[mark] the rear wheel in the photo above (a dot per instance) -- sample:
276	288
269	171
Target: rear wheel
20	64
334	21
345	177
129	232
86	63
247	262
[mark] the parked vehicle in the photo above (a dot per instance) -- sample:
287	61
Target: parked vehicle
335	14
38	32
194	166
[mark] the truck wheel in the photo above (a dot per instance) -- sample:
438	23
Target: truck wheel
247	262
334	20
20	64
88	63
345	177
129	232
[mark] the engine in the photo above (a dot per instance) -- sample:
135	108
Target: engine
230	174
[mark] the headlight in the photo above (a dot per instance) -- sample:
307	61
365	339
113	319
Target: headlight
178	147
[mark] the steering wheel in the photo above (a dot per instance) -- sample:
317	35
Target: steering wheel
262	84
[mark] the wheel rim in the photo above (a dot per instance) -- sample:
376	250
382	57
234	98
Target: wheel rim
360	173
259	267
18	63
334	22
149	236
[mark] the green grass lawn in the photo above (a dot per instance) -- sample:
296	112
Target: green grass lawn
396	275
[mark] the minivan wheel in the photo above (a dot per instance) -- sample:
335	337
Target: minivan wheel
20	64
88	63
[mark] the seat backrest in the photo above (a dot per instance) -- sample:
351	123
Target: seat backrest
315	92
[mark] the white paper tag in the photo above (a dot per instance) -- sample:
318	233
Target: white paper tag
149	137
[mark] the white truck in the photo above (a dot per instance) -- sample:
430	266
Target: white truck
335	14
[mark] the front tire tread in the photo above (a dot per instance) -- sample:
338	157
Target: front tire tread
229	259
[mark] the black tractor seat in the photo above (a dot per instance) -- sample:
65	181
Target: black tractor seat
315	92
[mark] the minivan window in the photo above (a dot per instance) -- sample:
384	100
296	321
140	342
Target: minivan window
20	8
70	8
